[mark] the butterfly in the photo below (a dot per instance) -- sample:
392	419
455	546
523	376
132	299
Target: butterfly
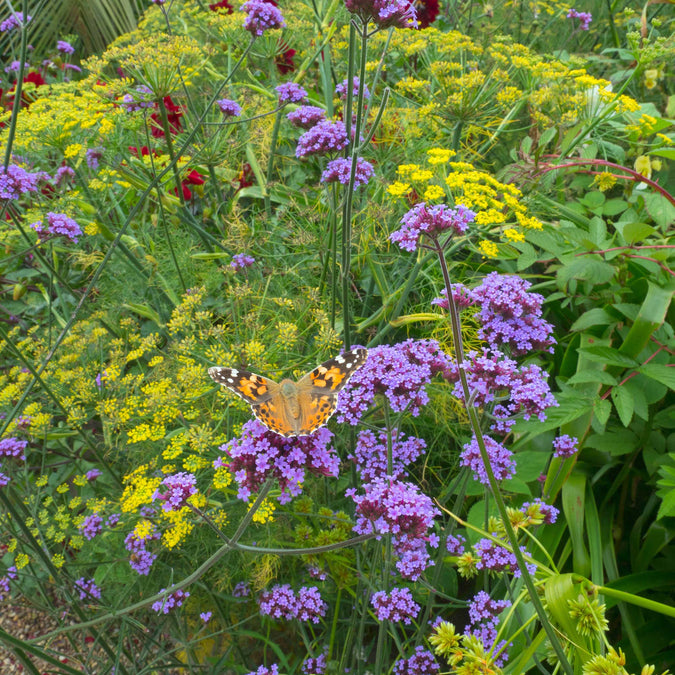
294	408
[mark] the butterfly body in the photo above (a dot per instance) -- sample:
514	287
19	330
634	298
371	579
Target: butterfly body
293	408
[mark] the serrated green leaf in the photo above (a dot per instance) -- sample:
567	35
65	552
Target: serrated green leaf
609	356
618	442
595	376
623	402
667	508
586	268
660	209
661	373
635	232
602	410
593	317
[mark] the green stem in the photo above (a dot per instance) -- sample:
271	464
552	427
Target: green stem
164	117
646	603
494	485
270	163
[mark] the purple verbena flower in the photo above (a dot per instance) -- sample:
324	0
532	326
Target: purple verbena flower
62	174
172	600
323	138
205	616
422	662
462	296
290	92
511	316
341	89
261	16
143	97
15	67
92	474
240	261
306	116
314	665
399	372
16	181
339	171
565	446
259	453
484	617
241	590
15	20
141	559
228	107
501	460
431	221
13	447
112	520
539	511
4	479
585	18
65	47
497	558
263	670
179	487
93	156
455	544
279	602
87	588
385	13
395	606
91	526
370	454
59	224
310	605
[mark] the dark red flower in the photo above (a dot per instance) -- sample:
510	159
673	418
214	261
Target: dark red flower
427	11
145	151
245	176
223	4
285	62
193	178
173	112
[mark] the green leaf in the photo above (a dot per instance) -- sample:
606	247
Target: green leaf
573	502
650	317
602	410
668	153
593	317
618	442
609	356
661	373
613	207
623	402
530	464
660	209
595	376
586	268
636	232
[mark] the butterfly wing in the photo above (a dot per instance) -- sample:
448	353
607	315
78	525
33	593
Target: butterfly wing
318	390
254	389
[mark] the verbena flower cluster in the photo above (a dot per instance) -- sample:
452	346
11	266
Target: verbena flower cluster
14	448
260	453
398	605
175	599
15	20
422	662
398	372
370	454
385	13
261	16
177	489
141	559
342	89
228	107
87	589
484	619
501	460
496	558
59	224
281	602
510	315
339	171
16	181
91	526
431	221
290	92
240	261
565	446
585	18
306	116
323	138
402	510
314	665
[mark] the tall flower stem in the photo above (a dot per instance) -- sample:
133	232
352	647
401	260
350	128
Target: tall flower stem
494	486
164	117
270	163
353	150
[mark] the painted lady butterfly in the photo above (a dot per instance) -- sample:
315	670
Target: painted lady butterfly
294	408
